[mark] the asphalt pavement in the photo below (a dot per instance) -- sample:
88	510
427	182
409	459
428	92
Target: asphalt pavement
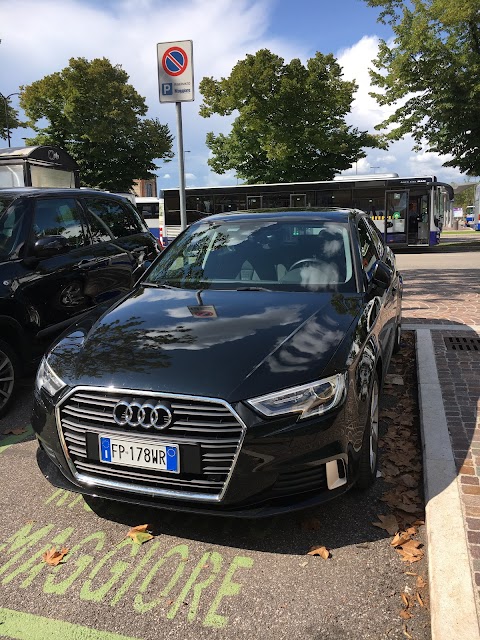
206	577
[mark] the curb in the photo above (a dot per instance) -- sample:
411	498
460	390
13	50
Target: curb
452	602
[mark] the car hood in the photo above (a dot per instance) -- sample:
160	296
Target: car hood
214	343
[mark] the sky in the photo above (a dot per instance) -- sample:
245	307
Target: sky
38	37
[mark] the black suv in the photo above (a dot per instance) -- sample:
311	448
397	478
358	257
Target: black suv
62	252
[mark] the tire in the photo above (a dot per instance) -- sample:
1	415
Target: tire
398	336
9	372
367	471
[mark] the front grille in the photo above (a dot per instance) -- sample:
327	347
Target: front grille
209	424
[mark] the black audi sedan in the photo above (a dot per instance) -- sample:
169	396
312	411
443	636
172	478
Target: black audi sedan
241	376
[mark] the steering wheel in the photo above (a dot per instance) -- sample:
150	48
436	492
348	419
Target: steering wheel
298	263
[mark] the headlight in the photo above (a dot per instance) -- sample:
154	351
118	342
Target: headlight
47	379
309	400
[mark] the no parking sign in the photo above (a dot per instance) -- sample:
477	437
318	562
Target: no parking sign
175	71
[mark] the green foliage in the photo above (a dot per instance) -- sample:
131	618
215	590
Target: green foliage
13	121
466	197
291	123
99	119
431	74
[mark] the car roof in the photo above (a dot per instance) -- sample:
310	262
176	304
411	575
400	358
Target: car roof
33	192
325	214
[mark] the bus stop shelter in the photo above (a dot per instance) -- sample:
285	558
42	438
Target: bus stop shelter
40	166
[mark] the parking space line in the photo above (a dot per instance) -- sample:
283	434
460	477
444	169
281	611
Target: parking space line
7	442
26	626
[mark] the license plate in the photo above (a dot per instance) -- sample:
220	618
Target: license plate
139	453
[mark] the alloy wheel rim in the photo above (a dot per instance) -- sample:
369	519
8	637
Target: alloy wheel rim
374	427
7	379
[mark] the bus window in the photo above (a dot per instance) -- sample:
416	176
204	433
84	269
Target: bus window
151	210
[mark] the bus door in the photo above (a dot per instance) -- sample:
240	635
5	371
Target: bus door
418	223
254	202
396	203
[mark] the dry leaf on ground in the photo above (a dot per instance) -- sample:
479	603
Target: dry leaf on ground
323	552
53	557
139	534
421	583
406	634
389	523
400	538
15	432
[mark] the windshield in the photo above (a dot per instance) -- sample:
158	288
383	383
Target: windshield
11	223
285	255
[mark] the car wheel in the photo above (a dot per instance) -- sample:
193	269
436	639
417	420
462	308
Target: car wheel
9	368
369	454
398	336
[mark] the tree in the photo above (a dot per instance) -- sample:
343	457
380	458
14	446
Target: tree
13	121
291	123
99	119
431	74
465	197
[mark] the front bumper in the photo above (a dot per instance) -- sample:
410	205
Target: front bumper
280	465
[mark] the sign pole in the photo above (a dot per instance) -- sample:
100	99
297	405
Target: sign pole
181	167
175	83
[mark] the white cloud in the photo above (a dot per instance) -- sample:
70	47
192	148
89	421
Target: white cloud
366	114
223	32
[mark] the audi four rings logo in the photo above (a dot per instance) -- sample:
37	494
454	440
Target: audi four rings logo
134	413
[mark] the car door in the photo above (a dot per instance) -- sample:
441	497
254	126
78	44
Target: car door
393	294
61	286
382	305
129	232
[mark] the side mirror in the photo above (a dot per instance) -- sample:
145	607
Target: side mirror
50	246
381	276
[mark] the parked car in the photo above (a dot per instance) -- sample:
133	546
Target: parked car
241	375
62	252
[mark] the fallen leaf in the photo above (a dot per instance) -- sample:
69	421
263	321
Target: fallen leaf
54	557
405	633
323	552
408	480
420	601
393	379
411	573
406	615
16	432
389	523
421	583
400	539
405	599
139	534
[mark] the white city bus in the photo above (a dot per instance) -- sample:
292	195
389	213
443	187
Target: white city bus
151	210
407	211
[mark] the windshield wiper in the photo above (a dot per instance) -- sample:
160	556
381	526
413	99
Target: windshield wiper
156	285
253	289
